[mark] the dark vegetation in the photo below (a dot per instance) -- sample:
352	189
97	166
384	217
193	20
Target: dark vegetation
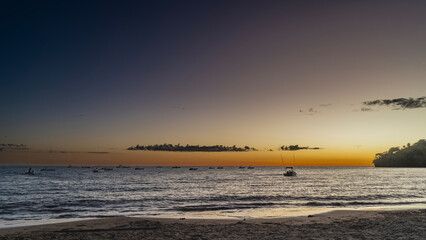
407	156
191	148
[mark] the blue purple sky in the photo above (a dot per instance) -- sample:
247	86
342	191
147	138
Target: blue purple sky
100	76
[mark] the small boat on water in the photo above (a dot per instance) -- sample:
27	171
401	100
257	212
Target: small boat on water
48	169
30	171
107	169
250	167
193	169
175	167
69	166
139	168
211	167
219	167
85	167
97	170
121	166
289	172
241	167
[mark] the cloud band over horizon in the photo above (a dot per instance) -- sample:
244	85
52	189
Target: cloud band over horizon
399	103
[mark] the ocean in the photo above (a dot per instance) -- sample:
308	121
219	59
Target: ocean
232	192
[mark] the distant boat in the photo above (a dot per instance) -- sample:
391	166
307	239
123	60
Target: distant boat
193	169
289	170
121	166
29	171
250	167
48	169
175	167
211	167
241	167
96	170
69	166
85	167
107	169
139	168
219	167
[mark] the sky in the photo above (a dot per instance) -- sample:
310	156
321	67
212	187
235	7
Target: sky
81	81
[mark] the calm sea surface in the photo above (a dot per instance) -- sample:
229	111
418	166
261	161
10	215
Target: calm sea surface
76	193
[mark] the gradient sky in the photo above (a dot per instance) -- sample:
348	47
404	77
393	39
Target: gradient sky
100	76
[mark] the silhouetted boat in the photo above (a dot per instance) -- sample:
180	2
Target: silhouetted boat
107	169
250	167
289	172
193	169
219	167
211	167
96	170
85	167
48	169
30	171
175	167
139	168
241	167
121	166
69	166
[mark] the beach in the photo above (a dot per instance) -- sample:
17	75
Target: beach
342	224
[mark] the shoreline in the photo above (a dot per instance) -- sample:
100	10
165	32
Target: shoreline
261	213
334	224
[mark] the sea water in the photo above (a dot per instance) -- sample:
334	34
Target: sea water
232	192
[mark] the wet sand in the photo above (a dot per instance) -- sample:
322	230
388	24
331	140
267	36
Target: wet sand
407	224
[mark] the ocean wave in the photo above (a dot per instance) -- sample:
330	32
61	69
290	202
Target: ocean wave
286	198
201	208
360	203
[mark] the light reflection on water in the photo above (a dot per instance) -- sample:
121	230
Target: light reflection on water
76	192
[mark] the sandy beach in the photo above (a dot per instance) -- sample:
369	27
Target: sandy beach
407	224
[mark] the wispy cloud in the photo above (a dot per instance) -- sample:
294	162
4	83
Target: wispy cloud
297	147
325	105
366	109
398	103
311	111
12	146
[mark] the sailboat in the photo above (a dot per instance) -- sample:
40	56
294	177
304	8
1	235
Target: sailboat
289	170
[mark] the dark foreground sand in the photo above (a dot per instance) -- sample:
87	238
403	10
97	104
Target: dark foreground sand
408	224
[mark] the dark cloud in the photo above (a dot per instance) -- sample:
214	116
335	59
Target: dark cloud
11	146
399	103
191	148
296	148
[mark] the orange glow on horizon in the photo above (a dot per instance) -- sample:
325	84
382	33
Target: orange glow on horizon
142	158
